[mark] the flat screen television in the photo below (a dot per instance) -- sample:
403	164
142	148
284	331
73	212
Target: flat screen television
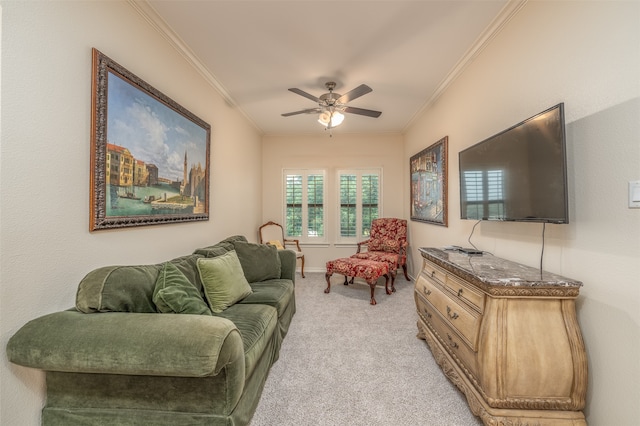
519	174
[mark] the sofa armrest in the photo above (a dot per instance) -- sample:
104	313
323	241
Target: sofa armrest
287	264
129	344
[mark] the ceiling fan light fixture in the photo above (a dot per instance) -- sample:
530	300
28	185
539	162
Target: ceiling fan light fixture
336	118
332	106
331	119
324	118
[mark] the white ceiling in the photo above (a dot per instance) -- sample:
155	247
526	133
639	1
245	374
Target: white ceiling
253	51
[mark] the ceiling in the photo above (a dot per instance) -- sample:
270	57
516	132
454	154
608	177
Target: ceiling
253	51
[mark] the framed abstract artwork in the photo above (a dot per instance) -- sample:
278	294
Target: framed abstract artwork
428	170
149	155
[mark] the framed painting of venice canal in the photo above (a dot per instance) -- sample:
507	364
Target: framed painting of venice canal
429	184
149	155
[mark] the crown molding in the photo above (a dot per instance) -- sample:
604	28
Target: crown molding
155	20
150	15
493	29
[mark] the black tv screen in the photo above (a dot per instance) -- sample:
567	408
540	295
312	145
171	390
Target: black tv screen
519	174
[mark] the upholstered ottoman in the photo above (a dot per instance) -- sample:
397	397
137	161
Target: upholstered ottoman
369	270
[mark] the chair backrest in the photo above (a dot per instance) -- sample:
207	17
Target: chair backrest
388	228
271	231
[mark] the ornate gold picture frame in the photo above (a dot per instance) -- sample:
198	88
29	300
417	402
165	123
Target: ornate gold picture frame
149	155
428	170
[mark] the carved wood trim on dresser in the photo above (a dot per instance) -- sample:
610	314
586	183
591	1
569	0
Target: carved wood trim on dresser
506	335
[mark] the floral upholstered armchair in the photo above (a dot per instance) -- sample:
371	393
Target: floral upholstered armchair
273	233
387	243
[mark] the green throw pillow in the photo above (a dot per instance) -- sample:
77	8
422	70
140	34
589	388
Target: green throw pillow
223	281
260	262
174	293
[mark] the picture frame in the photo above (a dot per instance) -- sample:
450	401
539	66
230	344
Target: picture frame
428	177
149	155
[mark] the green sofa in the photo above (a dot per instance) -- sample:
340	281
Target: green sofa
121	357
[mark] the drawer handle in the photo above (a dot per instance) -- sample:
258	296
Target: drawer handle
427	313
459	292
433	273
453	344
426	292
451	315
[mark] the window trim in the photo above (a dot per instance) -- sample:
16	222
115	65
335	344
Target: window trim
305	239
359	172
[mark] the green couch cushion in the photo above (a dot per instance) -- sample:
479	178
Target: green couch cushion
118	289
221	247
277	293
188	266
259	262
223	281
232	239
174	293
214	251
257	325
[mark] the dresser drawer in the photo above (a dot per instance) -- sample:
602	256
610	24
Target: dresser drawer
462	319
425	310
434	272
423	286
466	292
432	320
462	290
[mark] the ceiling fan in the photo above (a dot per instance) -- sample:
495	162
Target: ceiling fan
332	106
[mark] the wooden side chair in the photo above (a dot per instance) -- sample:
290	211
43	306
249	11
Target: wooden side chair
272	233
387	242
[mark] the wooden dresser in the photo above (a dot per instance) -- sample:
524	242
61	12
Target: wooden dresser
506	335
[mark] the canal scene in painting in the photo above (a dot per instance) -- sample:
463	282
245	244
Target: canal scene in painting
156	157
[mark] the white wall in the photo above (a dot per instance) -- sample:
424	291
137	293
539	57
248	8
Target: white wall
44	165
333	153
587	55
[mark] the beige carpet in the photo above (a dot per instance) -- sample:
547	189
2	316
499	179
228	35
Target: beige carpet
345	362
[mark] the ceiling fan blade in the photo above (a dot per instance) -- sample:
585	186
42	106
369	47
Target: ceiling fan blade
305	94
361	111
304	111
363	89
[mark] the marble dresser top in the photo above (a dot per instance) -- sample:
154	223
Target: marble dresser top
489	270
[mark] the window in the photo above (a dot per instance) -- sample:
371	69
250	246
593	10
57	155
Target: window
495	193
485	193
359	198
304	204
